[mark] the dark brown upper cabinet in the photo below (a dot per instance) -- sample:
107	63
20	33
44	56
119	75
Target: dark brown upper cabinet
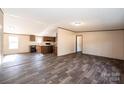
48	39
32	37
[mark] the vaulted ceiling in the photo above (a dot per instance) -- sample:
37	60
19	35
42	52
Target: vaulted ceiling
46	20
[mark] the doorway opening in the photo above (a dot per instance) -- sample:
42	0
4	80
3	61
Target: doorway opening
79	44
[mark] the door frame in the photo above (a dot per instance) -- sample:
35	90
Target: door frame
81	44
1	52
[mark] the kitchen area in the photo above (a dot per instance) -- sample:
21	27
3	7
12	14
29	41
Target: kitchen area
43	44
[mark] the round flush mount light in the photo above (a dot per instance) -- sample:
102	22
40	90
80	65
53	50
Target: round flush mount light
11	28
77	23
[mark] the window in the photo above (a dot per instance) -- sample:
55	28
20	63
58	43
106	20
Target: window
38	40
13	42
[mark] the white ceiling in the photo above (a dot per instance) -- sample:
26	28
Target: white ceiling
48	19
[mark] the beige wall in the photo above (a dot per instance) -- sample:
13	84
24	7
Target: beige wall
24	44
65	42
107	44
1	32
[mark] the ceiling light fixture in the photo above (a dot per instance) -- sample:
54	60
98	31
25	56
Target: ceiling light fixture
11	28
77	23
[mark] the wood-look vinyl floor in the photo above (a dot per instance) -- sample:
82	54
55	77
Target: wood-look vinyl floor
69	69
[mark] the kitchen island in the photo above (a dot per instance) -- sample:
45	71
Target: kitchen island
44	49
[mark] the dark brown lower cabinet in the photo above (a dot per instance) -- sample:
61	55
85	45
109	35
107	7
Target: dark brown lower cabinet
55	50
45	49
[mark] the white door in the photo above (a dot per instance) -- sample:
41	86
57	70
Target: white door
79	43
